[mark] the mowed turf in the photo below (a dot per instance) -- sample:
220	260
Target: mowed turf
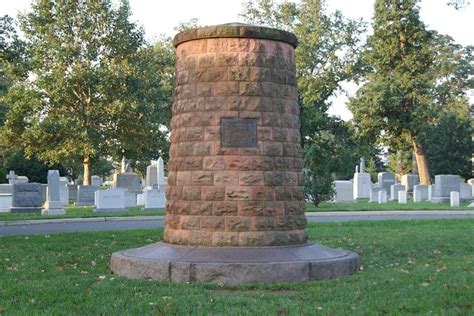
408	267
364	205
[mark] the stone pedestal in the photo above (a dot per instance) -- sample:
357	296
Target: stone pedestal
235	201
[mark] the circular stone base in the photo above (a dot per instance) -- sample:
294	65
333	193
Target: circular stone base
234	265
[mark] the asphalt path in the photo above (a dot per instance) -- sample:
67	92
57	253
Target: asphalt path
157	222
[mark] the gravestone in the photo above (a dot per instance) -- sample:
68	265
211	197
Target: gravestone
386	179
129	181
409	180
96	181
154	199
465	191
5	197
141	199
402	197
86	195
343	191
161	172
430	192
382	198
152	176
423	191
13	178
374	193
110	200
53	204
72	192
64	191
26	197
444	184
130	199
454	199
394	189
362	185
416	195
235	200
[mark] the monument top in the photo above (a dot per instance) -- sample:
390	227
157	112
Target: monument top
235	30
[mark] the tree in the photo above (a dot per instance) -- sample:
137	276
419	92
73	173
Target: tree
93	86
395	100
449	145
327	55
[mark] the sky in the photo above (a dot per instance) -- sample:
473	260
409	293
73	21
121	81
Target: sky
161	17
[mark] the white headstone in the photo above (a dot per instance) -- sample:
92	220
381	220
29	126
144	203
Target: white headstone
130	199
409	180
454	199
430	192
422	190
386	179
444	184
374	194
161	172
465	191
96	180
416	196
394	189
343	191
402	197
152	175
362	185
154	199
110	200
141	199
382	197
64	191
53	205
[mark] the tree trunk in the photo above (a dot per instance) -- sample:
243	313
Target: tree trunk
422	163
87	172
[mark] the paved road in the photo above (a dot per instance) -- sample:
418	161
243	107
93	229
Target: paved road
125	224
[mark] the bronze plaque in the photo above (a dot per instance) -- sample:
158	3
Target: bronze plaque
238	132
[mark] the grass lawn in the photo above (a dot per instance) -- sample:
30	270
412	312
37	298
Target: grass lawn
419	267
85	211
364	205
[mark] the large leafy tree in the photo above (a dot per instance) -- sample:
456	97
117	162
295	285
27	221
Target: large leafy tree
327	55
416	79
395	101
93	88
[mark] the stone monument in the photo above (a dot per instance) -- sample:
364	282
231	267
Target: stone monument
443	186
235	202
53	204
362	182
152	176
26	197
386	179
343	191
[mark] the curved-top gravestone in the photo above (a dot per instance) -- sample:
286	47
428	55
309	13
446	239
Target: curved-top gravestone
235	202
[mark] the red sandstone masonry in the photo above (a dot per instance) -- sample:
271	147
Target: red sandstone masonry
223	196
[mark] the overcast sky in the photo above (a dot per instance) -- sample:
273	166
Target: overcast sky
162	16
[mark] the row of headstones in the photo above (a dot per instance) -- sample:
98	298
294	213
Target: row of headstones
362	187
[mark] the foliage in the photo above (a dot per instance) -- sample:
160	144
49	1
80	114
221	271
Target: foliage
327	54
414	78
35	169
410	267
94	86
449	145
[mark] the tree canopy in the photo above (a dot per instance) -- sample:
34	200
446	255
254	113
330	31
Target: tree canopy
94	88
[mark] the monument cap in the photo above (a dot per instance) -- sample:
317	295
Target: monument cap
236	30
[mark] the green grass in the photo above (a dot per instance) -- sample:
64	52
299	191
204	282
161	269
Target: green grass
74	212
409	267
364	205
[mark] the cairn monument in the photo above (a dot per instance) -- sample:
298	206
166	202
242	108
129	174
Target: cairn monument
235	202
